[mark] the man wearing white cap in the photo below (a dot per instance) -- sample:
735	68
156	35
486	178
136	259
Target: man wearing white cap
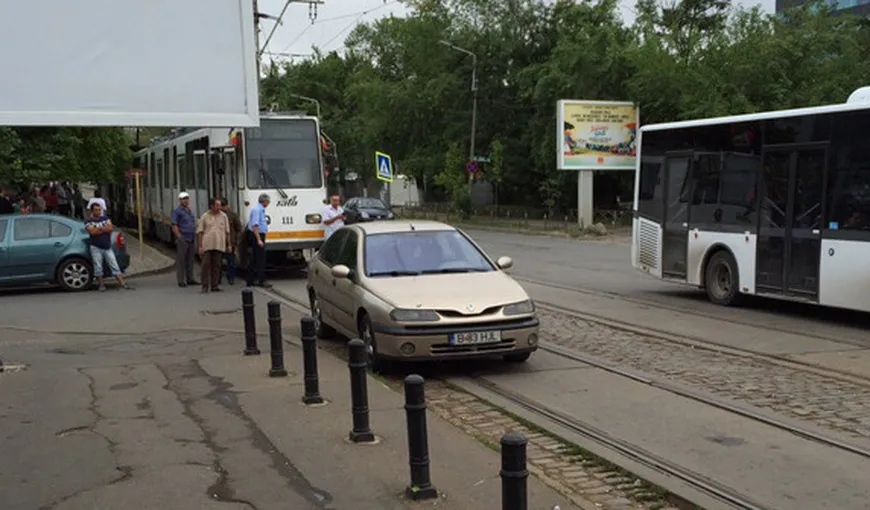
184	232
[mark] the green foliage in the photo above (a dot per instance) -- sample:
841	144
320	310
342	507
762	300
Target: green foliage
34	155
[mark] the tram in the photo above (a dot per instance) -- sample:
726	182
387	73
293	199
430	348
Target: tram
281	158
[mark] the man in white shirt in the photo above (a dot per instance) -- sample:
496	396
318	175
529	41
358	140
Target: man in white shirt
333	216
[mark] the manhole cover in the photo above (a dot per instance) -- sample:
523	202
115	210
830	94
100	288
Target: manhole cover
221	312
9	367
65	351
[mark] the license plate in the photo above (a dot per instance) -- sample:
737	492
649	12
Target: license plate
475	337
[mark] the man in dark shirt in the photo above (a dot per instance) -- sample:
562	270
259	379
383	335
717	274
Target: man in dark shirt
184	231
235	238
6	206
100	228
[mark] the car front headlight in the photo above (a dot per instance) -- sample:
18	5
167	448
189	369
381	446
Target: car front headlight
519	308
406	315
389	215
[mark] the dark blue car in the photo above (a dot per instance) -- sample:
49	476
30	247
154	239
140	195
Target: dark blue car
47	248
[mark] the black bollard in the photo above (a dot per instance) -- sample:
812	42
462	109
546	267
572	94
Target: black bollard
276	340
418	440
359	392
514	474
250	325
309	361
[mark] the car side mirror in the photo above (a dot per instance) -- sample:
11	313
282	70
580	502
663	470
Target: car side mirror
504	262
342	271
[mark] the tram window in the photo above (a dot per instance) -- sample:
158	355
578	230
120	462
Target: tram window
168	175
182	172
162	175
848	204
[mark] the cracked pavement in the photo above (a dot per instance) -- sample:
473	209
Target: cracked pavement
127	418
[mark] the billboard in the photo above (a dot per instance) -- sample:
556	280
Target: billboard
596	135
189	63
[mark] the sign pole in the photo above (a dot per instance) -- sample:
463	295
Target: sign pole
139	215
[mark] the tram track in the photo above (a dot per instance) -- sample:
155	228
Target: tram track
692	341
693	310
698	482
633	453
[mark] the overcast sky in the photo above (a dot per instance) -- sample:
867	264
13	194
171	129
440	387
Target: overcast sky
336	19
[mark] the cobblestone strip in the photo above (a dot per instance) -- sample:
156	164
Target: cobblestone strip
805	395
587	480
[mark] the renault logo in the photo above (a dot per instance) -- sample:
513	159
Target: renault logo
470	307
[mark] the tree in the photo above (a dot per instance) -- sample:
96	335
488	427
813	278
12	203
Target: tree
36	155
395	88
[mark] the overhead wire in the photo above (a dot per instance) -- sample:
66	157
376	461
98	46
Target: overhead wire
357	15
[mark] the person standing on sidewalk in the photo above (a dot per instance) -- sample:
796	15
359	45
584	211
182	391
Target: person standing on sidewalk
100	229
184	232
235	238
64	199
256	233
213	241
333	216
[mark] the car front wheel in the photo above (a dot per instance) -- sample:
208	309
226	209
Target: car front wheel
323	330
74	275
367	334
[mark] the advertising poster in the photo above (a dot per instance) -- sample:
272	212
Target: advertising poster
597	135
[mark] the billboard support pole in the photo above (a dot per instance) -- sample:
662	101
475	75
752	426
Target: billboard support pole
584	198
139	214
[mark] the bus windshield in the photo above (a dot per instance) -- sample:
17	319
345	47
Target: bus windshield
283	153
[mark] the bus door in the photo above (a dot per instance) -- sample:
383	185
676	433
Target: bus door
675	225
790	220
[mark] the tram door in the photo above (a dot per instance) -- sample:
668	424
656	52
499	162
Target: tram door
223	174
201	181
789	233
675	238
231	177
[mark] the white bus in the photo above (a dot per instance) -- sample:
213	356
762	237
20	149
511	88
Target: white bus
772	204
282	158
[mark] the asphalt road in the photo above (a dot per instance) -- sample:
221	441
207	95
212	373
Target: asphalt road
603	267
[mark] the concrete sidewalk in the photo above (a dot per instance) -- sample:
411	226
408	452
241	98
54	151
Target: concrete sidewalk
359	477
146	261
152	405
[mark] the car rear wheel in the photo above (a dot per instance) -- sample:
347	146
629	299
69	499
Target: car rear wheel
517	358
367	334
323	330
74	275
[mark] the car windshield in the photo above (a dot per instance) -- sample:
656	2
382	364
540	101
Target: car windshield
422	252
370	203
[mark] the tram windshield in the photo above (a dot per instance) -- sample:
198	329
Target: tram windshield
283	153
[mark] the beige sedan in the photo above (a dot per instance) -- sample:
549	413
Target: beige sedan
418	290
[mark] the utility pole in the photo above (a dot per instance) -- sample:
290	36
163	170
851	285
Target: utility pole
473	106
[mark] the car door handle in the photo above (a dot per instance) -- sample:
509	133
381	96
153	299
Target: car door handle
58	244
333	283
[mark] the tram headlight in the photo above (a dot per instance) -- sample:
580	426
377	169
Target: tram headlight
313	219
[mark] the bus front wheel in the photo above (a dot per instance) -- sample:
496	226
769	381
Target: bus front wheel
722	279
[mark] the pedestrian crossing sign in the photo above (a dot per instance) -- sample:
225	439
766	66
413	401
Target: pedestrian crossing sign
384	167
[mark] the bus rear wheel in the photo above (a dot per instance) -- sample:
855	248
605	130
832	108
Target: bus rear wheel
722	279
